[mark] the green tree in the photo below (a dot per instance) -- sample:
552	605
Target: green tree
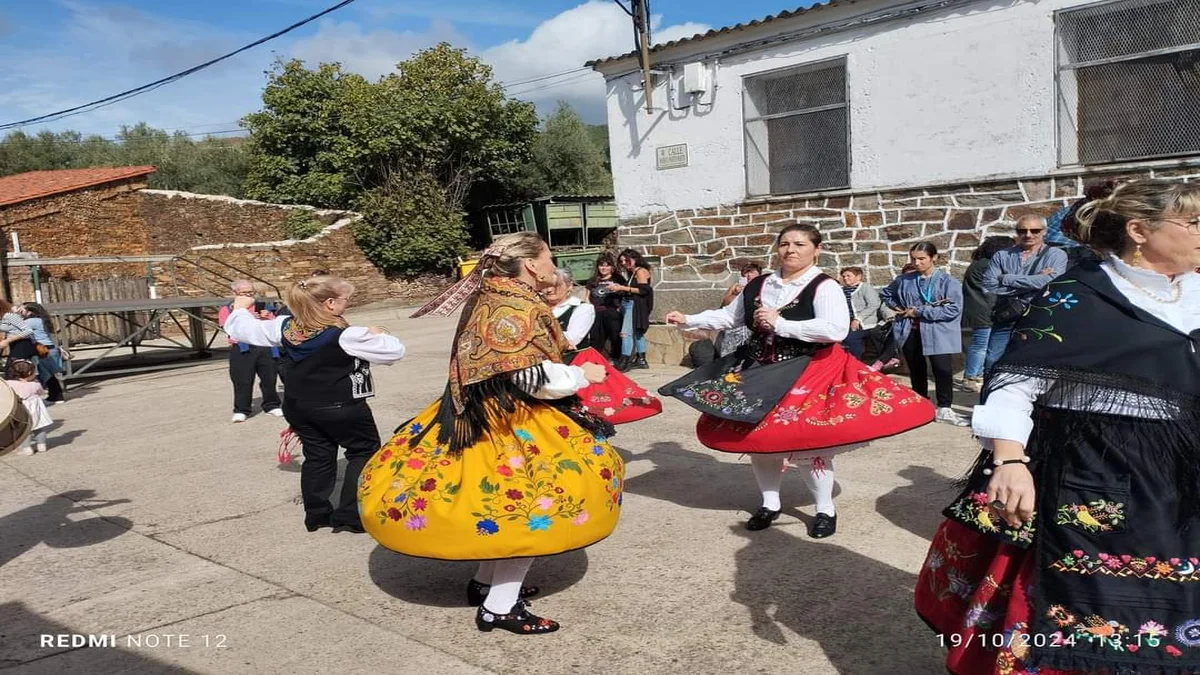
408	150
566	158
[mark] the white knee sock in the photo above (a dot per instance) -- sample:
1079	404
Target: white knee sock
484	574
506	584
820	481
768	470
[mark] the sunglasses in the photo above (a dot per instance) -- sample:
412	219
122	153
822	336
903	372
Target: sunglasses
1024	232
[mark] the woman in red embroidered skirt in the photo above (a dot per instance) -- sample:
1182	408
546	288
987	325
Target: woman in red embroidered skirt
791	389
618	399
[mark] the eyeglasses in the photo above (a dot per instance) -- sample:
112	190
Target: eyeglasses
1024	232
248	294
1193	225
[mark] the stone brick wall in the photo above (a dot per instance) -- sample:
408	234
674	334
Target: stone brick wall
698	252
104	220
176	221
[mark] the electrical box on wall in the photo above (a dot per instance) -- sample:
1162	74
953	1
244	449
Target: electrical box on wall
695	79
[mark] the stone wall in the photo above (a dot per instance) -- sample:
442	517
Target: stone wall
98	221
698	252
176	221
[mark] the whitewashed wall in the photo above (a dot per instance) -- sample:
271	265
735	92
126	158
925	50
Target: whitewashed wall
951	96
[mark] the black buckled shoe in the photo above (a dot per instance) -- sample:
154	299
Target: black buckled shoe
477	591
762	519
824	525
518	620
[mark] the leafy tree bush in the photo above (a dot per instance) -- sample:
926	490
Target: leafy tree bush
301	224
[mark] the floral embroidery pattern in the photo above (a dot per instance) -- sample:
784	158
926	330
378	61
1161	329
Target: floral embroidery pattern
973	510
1049	301
1093	629
723	394
1127	566
1099	515
525	495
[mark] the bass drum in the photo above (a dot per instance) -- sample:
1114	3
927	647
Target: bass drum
15	423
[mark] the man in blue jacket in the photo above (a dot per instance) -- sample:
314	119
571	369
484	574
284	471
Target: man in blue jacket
1015	276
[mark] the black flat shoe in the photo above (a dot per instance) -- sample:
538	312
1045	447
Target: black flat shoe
477	591
312	524
824	525
762	519
518	620
349	527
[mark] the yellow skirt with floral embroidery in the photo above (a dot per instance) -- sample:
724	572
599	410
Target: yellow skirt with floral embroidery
536	484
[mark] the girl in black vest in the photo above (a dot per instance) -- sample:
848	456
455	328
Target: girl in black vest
327	366
792	389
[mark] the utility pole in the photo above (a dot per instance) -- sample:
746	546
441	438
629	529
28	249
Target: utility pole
641	23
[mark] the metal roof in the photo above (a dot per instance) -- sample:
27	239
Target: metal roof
786	14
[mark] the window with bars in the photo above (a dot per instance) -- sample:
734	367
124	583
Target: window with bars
1128	81
797	129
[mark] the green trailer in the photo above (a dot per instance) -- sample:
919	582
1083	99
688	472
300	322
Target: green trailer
575	226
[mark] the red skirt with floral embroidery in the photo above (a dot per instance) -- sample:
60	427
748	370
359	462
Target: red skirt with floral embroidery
838	402
974	592
618	399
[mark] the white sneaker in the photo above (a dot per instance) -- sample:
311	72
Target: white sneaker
948	416
41	447
25	451
239	417
277	412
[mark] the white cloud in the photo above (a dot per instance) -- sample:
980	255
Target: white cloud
594	30
372	53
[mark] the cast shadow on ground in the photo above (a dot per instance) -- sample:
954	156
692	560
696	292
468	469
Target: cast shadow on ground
47	523
859	610
55	439
697	480
917	507
441	583
22	629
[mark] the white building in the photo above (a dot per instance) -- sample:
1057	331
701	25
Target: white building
891	122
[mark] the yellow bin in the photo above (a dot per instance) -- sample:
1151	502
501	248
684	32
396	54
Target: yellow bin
465	267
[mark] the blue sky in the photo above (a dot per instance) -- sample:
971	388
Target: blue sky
55	54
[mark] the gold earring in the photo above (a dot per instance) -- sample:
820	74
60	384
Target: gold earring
1137	256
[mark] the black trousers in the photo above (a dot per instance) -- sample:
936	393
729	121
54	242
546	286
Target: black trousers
322	429
943	375
243	366
607	329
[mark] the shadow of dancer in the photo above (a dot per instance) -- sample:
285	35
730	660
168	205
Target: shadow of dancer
859	610
48	523
699	481
442	583
917	507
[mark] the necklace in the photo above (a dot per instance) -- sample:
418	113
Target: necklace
1176	289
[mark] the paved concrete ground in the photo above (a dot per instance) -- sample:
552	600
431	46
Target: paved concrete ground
153	516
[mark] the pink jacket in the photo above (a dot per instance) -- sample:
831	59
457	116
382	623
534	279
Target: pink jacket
25	389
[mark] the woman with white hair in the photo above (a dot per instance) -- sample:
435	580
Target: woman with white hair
618	399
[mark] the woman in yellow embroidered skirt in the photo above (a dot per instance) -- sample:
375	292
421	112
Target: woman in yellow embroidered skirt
505	466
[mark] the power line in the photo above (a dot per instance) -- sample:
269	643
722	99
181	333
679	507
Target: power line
118	139
550	85
506	85
137	91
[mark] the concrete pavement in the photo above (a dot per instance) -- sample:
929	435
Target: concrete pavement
154	520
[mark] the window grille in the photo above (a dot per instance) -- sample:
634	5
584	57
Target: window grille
797	129
1128	81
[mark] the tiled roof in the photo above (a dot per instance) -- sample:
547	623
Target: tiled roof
34	184
786	14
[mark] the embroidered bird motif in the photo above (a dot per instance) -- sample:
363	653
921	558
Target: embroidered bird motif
985	521
1085	517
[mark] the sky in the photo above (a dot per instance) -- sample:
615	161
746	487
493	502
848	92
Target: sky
55	54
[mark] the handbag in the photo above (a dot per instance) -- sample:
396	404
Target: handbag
1009	308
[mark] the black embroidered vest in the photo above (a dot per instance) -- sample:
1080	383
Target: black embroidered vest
766	346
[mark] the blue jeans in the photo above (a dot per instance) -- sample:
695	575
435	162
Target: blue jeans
628	339
977	352
997	343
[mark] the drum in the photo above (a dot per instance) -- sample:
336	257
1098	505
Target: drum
15	423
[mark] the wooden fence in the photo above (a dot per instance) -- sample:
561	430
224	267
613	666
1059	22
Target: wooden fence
90	329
